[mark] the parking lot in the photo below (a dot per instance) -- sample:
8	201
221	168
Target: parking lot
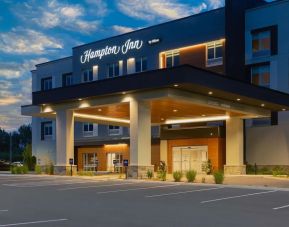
71	201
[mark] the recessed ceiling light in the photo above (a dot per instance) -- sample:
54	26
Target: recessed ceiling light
43	104
283	109
162	119
123	93
79	99
175	110
99	110
262	104
238	99
176	85
203	115
210	92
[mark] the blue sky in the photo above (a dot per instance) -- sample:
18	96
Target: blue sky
35	31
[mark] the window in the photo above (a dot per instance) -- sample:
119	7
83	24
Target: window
114	130
214	53
172	58
46	84
87	129
113	70
260	75
264	41
46	130
87	75
90	161
67	79
141	64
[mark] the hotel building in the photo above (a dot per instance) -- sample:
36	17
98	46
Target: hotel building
212	86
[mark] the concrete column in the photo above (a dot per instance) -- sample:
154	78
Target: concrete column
64	141
164	151
234	147
140	139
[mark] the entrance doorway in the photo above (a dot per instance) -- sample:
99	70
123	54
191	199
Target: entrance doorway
114	162
90	161
189	158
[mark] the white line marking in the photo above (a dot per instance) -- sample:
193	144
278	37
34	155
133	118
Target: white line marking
93	186
3	210
238	196
184	192
34	222
44	185
135	189
282	207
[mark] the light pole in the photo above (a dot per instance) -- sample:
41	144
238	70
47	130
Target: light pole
10	147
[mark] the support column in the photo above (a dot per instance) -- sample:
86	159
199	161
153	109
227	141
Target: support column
234	147
64	141
164	151
140	139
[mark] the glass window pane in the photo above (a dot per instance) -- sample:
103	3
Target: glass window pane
90	127
219	52
211	54
138	65
176	60
110	70
90	75
169	61
144	64
116	69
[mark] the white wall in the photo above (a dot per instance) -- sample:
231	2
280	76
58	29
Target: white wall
268	145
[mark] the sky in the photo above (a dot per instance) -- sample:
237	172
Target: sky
36	31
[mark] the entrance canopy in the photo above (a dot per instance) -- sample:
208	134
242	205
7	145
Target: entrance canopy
176	95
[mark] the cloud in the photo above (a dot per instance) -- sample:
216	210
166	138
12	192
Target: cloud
16	91
122	29
55	14
158	9
27	41
214	4
99	6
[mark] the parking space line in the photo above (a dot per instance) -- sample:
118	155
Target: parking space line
43	185
3	210
35	222
183	192
282	207
136	189
238	196
92	186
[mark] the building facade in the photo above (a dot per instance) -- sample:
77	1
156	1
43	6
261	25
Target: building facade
154	95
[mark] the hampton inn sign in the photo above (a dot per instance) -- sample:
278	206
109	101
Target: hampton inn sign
108	50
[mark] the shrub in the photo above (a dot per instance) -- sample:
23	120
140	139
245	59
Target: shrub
150	174
84	173
219	177
13	169
177	176
162	171
207	167
49	169
191	175
277	171
19	169
265	171
38	169
25	169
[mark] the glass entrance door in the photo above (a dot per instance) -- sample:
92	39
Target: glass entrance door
114	162
189	158
90	161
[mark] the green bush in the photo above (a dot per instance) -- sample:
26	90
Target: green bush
19	169
265	171
38	169
219	177
277	171
150	174
162	171
49	169
191	175
177	176
28	159
207	167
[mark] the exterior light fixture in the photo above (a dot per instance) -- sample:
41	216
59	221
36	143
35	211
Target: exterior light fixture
79	99
123	93
99	110
175	110
203	115
238	99
176	85
162	119
101	118
284	109
193	120
210	92
262	104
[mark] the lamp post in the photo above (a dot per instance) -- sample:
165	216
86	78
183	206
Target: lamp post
10	147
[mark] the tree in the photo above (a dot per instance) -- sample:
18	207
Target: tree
28	159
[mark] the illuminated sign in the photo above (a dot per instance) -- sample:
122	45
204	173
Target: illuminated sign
153	41
109	50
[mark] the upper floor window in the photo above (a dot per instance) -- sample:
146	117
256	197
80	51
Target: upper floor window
215	53
46	84
87	75
46	130
88	129
172	58
264	41
113	69
114	130
67	79
141	64
260	75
